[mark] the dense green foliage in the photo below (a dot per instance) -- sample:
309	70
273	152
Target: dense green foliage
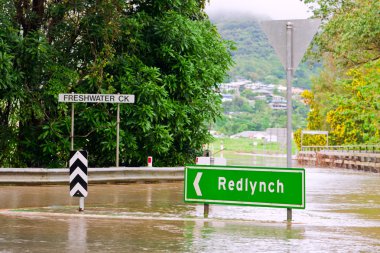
345	97
254	58
166	53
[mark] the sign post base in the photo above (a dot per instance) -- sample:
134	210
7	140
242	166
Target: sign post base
289	214
206	210
81	204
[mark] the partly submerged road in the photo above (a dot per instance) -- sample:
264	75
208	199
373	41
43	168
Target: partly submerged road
342	215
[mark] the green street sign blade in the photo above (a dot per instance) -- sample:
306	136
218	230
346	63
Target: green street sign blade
248	186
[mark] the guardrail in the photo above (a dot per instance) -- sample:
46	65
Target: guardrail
351	148
40	176
355	159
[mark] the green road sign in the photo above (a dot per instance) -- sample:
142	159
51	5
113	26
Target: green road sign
253	186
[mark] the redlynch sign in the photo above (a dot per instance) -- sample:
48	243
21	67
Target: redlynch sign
248	186
96	98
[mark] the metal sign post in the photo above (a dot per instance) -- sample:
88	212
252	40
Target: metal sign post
290	39
289	77
117	134
206	207
72	127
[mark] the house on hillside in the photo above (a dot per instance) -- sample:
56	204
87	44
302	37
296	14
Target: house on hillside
227	97
263	94
233	86
278	103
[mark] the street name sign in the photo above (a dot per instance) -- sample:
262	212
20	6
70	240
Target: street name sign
249	186
96	98
78	173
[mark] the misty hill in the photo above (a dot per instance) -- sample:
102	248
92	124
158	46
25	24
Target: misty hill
254	58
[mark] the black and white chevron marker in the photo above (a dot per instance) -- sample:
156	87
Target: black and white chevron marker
78	173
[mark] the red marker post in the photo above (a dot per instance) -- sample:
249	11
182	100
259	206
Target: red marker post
150	161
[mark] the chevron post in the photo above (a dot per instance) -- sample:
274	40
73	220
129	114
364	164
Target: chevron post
78	173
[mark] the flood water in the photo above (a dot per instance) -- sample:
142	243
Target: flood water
342	215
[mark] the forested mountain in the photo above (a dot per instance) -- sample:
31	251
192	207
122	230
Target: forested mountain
254	58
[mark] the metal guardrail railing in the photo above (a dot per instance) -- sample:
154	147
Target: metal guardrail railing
351	148
39	176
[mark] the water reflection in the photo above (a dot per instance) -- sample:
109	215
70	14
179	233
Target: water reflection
238	236
77	235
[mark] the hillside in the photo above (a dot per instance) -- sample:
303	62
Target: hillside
254	58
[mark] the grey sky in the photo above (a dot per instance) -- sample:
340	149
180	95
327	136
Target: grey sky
275	9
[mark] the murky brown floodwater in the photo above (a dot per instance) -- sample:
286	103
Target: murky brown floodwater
342	215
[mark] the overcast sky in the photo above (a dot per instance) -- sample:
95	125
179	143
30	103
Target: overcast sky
275	9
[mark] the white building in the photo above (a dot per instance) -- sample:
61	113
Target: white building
258	135
227	97
270	135
278	103
233	86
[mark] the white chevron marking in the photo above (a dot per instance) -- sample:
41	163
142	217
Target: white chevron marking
196	183
78	187
79	156
79	172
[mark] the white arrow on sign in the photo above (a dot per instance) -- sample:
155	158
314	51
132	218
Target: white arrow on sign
196	183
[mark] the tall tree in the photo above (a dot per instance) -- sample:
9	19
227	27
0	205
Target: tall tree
348	88
351	31
166	53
